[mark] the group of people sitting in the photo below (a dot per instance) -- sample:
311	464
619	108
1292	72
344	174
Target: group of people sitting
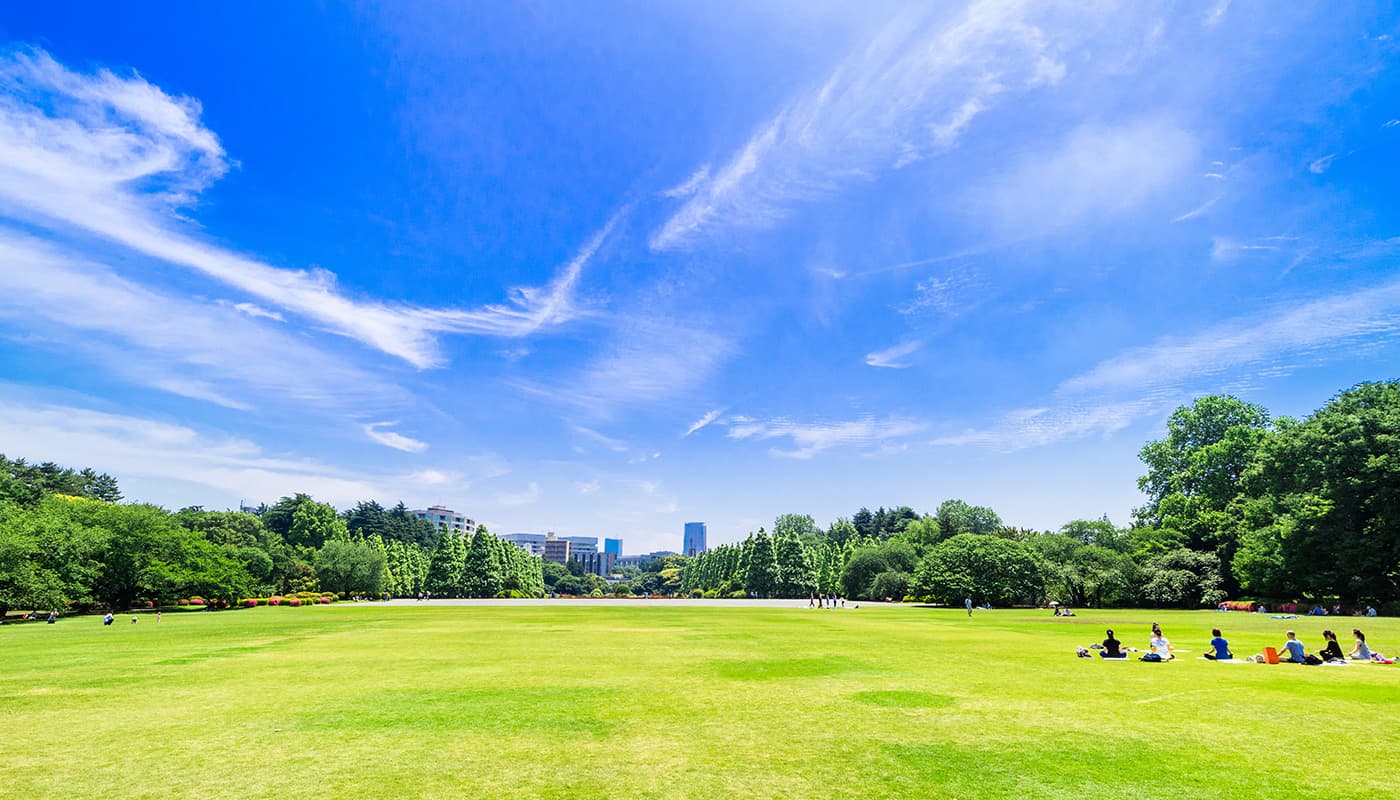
1293	651
1160	649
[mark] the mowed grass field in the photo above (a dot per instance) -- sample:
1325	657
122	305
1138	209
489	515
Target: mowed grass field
646	700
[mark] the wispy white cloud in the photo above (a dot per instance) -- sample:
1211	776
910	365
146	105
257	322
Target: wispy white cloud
1394	123
947	294
1098	171
116	157
1197	211
204	351
688	187
377	432
809	439
915	89
1225	248
709	417
1146	382
1287	332
893	357
587	488
615	445
1320	165
646	360
164	462
255	310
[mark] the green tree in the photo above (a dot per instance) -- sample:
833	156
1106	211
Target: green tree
956	517
350	567
314	524
1194	474
761	569
984	568
1323	514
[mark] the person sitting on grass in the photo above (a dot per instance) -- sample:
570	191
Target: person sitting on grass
1112	648
1160	645
1220	646
1292	651
1331	651
1360	652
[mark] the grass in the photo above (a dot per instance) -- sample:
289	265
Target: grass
650	701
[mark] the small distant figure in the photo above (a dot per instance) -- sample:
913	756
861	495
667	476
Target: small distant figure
1360	652
1220	646
968	604
1112	648
1370	611
843	602
1067	612
53	617
157	617
811	600
107	620
1331	651
1294	649
133	620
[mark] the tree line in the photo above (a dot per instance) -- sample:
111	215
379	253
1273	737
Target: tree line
1238	504
66	541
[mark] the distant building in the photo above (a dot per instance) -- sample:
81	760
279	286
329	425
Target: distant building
532	543
556	549
581	544
694	543
637	561
445	519
613	546
596	563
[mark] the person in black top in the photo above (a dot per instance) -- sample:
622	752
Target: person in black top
1331	651
1112	648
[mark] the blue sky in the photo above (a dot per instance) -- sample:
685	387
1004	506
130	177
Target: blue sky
607	268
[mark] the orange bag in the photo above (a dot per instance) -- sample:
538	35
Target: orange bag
1271	655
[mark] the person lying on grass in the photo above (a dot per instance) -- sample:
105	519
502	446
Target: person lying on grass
1220	647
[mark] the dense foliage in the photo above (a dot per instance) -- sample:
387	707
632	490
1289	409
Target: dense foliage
1236	503
66	541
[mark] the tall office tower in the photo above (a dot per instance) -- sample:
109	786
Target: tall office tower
613	546
694	539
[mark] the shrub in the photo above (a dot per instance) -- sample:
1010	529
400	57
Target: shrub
326	600
275	600
182	602
739	595
295	601
697	593
250	603
262	601
150	604
196	601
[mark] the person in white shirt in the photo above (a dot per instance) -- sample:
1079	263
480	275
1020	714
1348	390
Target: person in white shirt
1160	645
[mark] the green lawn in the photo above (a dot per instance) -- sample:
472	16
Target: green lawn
649	701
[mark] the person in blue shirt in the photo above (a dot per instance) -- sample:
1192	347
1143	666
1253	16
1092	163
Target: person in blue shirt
1292	650
1220	646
